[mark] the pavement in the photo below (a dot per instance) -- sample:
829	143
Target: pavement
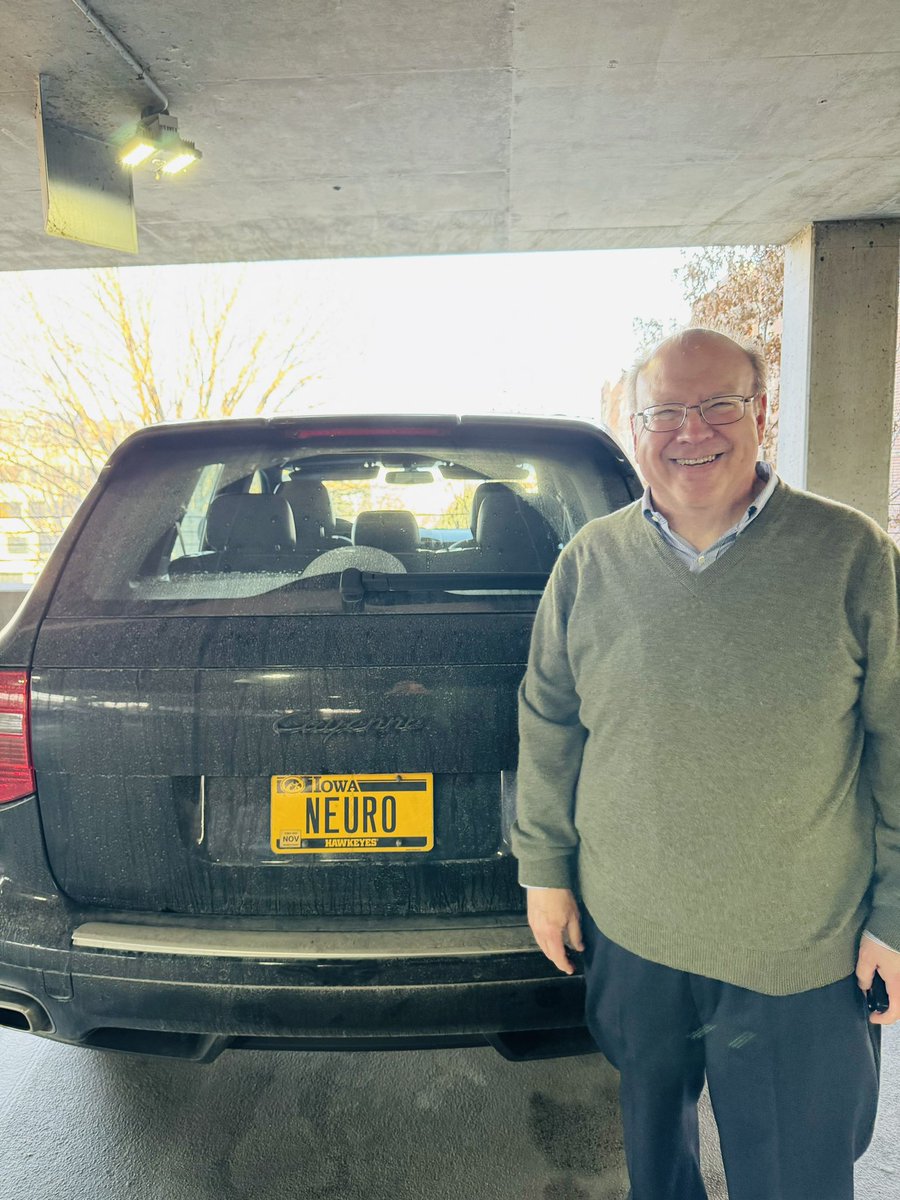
415	1125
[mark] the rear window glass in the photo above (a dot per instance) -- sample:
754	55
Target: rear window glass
230	526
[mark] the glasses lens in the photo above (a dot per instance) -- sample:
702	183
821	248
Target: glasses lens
722	410
664	417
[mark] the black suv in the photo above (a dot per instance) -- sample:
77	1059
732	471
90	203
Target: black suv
258	739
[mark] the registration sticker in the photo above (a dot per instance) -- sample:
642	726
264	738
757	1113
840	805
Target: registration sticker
352	814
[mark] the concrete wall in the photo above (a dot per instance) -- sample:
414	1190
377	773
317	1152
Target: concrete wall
839	351
894	496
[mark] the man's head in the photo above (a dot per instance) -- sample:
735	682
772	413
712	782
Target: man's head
701	468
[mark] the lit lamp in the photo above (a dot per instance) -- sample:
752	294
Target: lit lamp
135	151
189	154
157	139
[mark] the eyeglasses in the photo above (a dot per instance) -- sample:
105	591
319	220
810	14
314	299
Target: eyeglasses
717	410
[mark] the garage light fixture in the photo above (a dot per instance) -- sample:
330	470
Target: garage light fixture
157	140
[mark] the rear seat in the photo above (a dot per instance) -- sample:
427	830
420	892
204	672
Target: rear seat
245	533
257	533
510	535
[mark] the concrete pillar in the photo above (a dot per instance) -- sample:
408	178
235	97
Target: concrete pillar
838	351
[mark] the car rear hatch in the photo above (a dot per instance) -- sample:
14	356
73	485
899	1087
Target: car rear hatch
278	676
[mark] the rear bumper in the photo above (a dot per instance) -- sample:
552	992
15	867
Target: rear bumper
190	989
195	1007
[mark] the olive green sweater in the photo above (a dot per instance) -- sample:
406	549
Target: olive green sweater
713	760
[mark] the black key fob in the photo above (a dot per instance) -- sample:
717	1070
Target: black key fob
877	996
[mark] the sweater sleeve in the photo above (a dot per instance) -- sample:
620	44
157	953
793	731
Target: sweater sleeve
551	739
880	705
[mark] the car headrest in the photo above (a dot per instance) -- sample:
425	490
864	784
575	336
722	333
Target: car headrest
489	488
311	506
396	531
511	527
250	522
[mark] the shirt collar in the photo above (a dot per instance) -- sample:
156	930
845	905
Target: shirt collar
764	471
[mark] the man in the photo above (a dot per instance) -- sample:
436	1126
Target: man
710	762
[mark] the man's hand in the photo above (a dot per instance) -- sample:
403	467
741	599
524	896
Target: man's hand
554	919
874	957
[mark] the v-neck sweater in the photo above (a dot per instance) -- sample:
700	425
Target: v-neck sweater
713	760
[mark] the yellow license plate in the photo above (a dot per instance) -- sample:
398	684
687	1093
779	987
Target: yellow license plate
352	814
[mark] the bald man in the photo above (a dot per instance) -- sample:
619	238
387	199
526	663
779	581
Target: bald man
709	792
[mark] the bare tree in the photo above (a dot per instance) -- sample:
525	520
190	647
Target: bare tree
649	332
93	381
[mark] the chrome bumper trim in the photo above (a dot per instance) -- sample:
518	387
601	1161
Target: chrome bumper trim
280	946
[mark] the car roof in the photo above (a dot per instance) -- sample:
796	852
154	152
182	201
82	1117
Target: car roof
359	425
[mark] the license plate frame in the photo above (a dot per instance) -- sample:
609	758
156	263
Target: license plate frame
339	813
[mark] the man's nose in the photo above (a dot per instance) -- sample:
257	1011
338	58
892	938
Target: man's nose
694	426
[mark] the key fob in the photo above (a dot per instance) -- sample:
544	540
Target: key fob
877	996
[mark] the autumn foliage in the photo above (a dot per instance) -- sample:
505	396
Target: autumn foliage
739	290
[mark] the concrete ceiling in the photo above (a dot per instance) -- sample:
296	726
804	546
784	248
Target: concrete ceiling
376	127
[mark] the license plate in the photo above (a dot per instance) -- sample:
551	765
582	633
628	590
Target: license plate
352	814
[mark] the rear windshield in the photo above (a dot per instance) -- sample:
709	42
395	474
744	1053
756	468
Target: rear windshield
267	526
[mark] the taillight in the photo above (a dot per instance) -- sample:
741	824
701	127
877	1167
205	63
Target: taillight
16	771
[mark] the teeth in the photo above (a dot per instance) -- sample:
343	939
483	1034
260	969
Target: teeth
694	462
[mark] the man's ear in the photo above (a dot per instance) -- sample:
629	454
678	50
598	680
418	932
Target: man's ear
762	405
633	425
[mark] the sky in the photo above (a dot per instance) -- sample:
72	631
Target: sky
530	333
519	333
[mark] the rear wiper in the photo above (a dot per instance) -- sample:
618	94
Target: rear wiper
355	585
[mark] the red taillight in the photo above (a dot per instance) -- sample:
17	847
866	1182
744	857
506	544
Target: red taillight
16	772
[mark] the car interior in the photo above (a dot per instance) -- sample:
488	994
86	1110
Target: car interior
289	524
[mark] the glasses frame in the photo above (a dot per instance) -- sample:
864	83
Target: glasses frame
643	413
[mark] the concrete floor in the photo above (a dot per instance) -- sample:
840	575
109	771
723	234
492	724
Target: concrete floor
449	1125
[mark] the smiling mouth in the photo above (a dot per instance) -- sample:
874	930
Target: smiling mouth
697	462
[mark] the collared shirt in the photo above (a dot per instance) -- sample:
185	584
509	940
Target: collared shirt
696	560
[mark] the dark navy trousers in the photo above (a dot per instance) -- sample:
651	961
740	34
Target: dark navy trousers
793	1080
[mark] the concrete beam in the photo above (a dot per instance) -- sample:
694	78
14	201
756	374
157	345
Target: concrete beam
838	353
